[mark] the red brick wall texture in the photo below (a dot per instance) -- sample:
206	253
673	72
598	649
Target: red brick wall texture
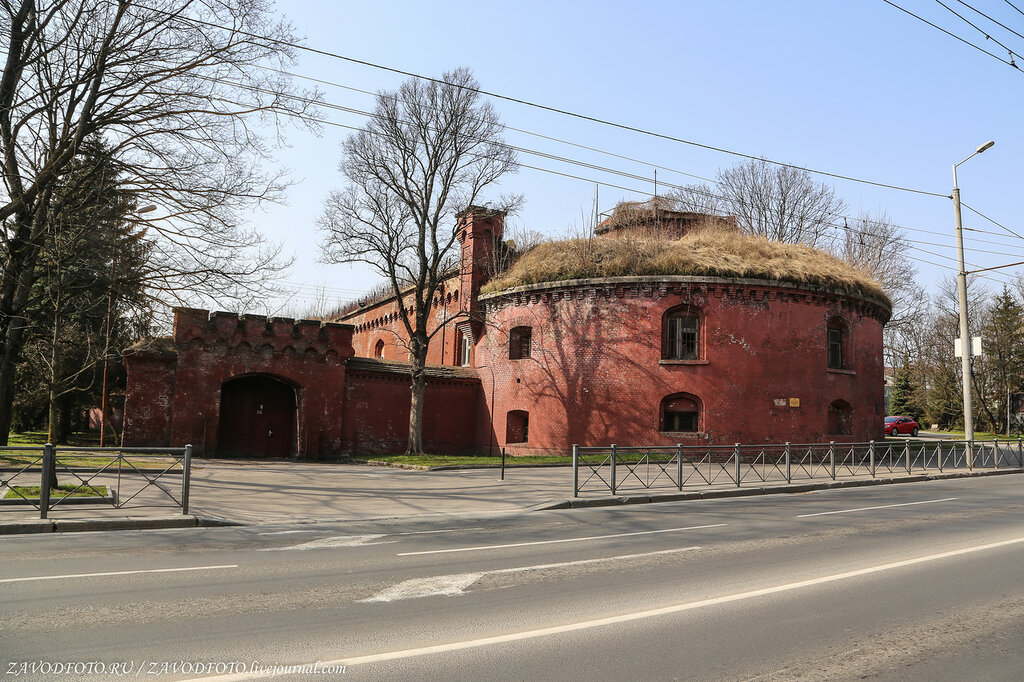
595	373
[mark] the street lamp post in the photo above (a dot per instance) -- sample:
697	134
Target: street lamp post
961	287
105	395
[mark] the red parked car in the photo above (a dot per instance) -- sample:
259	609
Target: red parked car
895	426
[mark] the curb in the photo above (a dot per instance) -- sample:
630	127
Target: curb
126	523
785	489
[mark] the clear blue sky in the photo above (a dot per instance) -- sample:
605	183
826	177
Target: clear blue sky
855	88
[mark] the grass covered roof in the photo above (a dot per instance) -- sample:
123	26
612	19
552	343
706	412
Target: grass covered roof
707	252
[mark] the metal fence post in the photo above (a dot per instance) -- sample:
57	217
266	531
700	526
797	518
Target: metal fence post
503	464
969	454
575	470
938	450
1020	452
871	457
789	471
49	467
679	465
737	453
906	452
186	479
995	453
832	458
612	478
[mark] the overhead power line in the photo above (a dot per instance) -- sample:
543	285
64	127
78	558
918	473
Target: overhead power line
543	107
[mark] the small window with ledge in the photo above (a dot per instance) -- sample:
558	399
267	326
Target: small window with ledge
681	335
837	339
378	350
517	426
681	413
520	342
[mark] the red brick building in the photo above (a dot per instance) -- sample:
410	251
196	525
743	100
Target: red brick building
659	359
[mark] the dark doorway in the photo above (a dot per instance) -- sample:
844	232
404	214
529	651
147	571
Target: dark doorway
257	418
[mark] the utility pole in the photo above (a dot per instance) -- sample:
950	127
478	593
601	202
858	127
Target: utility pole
961	287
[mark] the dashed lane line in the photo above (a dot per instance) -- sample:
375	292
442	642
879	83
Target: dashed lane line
884	506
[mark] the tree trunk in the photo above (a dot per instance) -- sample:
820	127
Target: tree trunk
14	296
418	389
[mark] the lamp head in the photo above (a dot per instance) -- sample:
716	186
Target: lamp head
984	146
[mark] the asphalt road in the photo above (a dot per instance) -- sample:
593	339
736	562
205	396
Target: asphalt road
893	582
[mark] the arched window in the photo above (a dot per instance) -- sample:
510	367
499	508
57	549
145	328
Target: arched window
378	350
681	335
837	337
517	426
519	343
840	418
681	413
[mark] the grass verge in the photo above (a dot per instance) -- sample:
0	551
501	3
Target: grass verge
32	491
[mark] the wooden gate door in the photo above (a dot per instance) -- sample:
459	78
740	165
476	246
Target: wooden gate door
257	418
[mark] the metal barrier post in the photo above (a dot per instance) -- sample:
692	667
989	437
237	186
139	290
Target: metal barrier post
503	464
995	453
679	466
612	478
969	453
49	467
938	451
575	470
906	452
186	479
1020	451
871	457
737	454
832	458
789	471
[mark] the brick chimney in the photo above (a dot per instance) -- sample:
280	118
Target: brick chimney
478	230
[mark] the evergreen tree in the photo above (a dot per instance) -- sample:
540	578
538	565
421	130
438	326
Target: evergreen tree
88	299
905	400
1002	365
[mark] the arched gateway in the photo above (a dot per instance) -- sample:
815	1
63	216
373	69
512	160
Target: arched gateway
257	418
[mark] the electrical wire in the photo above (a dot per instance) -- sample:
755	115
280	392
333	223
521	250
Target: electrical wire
536	105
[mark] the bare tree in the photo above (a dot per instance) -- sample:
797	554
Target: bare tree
697	198
876	245
428	152
174	87
777	202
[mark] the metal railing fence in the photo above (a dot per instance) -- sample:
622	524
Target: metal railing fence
119	477
615	468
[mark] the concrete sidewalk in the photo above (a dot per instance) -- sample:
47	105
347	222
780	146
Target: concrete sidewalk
253	492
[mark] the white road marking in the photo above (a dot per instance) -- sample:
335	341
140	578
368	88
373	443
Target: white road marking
552	542
455	584
623	618
288	532
328	543
884	506
106	573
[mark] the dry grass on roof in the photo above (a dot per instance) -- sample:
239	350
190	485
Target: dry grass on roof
708	252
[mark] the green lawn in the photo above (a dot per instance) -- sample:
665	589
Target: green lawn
82	440
978	435
60	491
495	460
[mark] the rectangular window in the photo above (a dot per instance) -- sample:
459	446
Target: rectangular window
465	346
835	348
520	341
682	338
681	421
